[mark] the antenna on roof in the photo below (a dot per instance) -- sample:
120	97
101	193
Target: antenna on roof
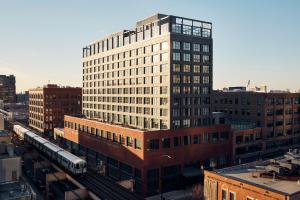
248	84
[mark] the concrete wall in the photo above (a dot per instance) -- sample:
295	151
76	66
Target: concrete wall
10	169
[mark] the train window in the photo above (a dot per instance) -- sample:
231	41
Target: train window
77	166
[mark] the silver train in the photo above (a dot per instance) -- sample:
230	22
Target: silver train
71	162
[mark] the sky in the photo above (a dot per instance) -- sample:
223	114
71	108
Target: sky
259	40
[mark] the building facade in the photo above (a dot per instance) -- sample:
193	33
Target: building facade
146	105
8	88
275	179
160	160
264	124
49	104
156	76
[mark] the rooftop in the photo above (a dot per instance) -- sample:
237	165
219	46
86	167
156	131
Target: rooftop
16	190
153	26
278	175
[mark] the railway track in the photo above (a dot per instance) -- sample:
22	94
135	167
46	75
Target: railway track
104	188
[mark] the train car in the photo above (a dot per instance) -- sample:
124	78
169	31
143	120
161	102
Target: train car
71	162
29	137
51	150
39	143
20	131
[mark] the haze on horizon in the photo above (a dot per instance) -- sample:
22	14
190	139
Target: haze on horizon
255	40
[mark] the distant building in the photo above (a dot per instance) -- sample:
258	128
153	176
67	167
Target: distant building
270	179
49	104
264	124
8	88
23	97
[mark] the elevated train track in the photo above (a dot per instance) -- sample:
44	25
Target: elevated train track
101	186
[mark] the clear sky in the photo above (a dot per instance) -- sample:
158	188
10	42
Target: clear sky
257	40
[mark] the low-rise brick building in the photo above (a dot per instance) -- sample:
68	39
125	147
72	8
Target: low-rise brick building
275	179
159	160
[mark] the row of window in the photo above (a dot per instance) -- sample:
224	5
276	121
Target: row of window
196	28
128	54
186	122
258	101
155	144
90	73
186	57
134	121
186	46
128	109
190	90
156	101
191	68
189	112
133	90
128	81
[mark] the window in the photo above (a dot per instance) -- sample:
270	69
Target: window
155	69
176	45
177	141
164	45
164	57
205	59
153	144
156	47
197	69
129	141
196	47
166	142
148	49
205	48
205	69
186	46
176	79
186	140
186	123
206	137
197	139
205	79
196	79
156	58
137	143
176	28
196	58
176	56
186	68
250	198
231	196
176	67
224	194
186	57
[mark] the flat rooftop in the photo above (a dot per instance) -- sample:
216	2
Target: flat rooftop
17	190
249	173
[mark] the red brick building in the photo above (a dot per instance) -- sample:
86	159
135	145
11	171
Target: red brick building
264	124
156	160
275	179
49	104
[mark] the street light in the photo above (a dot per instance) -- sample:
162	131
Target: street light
161	181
